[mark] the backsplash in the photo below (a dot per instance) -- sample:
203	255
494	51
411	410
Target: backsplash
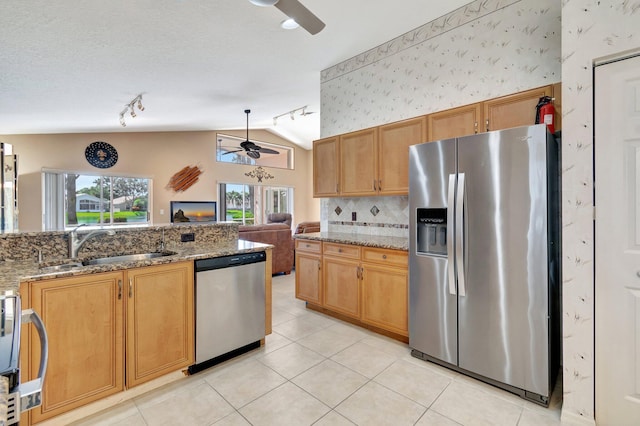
53	245
384	216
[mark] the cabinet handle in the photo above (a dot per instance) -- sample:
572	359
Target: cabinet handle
130	287
119	289
374	185
384	256
475	127
487	123
339	250
380	185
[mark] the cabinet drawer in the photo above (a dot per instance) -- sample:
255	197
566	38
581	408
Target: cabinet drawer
385	256
342	250
309	246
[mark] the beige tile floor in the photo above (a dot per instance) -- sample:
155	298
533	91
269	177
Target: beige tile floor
316	370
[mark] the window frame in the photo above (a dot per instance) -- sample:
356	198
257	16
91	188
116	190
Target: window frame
248	161
57	207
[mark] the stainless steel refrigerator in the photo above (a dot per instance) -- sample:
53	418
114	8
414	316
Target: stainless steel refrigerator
484	257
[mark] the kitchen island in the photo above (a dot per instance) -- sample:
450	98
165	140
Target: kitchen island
144	305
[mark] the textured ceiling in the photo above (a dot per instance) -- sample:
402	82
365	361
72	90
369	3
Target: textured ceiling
71	66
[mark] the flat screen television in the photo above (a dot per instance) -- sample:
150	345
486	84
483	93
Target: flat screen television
193	212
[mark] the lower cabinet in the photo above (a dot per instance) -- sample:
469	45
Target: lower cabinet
341	286
368	285
160	321
93	320
309	266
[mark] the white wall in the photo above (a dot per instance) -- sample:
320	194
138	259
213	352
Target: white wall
155	155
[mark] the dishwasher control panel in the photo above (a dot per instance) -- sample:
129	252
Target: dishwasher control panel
230	261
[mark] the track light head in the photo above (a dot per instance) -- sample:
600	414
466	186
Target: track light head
140	107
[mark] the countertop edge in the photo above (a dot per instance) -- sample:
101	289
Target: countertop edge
391	243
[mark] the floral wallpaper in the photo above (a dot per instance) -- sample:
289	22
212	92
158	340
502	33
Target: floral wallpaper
591	29
486	49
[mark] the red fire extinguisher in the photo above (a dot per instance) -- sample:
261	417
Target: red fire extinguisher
545	112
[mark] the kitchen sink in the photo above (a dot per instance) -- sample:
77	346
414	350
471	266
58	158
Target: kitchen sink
126	258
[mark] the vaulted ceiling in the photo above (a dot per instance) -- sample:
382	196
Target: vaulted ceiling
72	66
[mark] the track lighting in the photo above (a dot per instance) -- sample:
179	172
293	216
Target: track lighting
292	114
130	108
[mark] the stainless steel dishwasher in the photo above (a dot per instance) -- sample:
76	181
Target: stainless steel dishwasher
230	307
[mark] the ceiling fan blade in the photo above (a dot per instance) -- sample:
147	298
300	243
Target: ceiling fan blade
231	152
253	154
303	16
268	151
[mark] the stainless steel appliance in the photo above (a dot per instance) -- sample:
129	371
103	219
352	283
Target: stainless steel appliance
484	258
230	307
22	396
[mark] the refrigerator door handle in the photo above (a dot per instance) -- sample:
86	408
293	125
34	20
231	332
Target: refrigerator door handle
460	199
451	270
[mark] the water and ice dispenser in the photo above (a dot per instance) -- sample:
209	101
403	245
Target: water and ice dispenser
432	231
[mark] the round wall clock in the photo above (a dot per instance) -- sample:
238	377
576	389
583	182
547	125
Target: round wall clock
101	154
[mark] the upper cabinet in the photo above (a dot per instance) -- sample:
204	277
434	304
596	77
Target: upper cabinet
359	163
325	167
393	153
513	110
462	121
374	161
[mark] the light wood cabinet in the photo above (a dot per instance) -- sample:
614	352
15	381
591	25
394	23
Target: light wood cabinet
461	121
374	161
362	284
309	271
93	320
359	163
341	285
513	110
160	321
393	154
325	167
384	289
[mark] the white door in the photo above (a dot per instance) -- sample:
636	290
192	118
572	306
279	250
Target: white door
617	268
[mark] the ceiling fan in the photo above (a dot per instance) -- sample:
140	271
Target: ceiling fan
249	147
296	11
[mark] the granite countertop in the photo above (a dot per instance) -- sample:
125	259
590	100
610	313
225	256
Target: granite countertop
12	273
395	243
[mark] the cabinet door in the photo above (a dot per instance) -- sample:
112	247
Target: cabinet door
514	110
358	163
455	122
393	154
308	274
325	167
160	321
384	298
341	284
83	317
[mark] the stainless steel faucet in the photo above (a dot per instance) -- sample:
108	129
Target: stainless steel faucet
75	244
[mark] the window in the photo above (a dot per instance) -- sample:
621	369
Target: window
250	204
71	199
228	150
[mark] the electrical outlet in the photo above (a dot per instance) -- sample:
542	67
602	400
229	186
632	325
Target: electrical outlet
188	237
353	216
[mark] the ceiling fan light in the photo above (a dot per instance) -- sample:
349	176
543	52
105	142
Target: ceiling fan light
264	2
289	24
